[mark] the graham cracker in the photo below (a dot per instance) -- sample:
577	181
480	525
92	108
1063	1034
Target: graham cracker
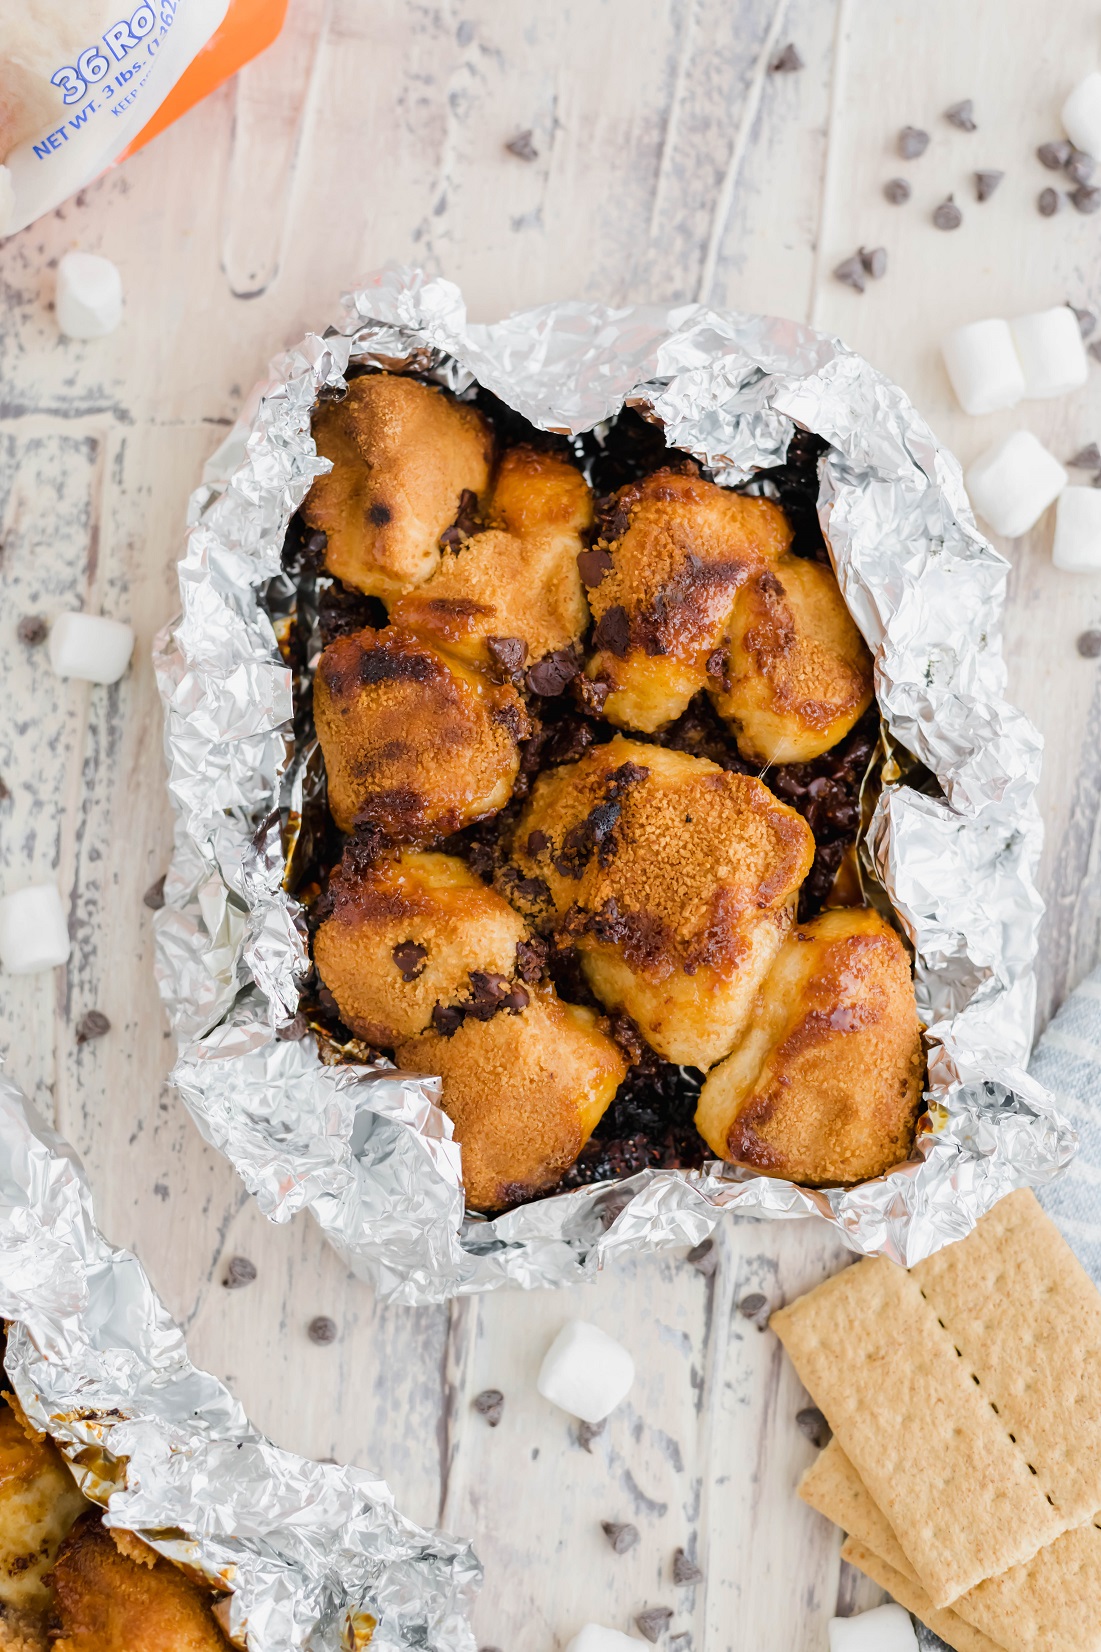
941	1620
1051	1603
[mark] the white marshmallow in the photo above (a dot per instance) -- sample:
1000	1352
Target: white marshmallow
91	647
595	1638
1012	484
983	366
585	1371
89	295
883	1629
1082	115
34	931
1052	355
1077	547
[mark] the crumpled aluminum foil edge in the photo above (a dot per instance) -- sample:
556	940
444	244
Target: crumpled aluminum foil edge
371	1154
311	1551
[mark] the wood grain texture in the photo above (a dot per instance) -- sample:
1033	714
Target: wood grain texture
671	165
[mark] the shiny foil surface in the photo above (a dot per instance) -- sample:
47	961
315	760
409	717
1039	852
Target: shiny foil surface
369	1151
311	1552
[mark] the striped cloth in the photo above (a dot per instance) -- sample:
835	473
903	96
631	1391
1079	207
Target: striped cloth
1067	1060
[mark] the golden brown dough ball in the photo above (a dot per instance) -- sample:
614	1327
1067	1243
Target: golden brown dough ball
676	880
107	1601
39	1501
404	936
403	454
662	587
415	741
516	584
826	1084
524	1091
798	675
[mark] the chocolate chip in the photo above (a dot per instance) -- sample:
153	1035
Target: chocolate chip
851	272
621	1535
322	1330
32	629
716	663
379	514
685	1570
522	147
553	674
1079	166
409	957
986	183
447	1019
92	1025
654	1622
613	632
239	1272
1054	155
487	992
507	654
1049	202
874	260
516	1000
1086	198
962	115
787	61
897	191
593	566
291	1031
588	1432
1089	645
948	215
703	1257
912	142
317	544
592	692
814	1426
538	841
753	1305
1087	321
490	1404
1087	458
531	960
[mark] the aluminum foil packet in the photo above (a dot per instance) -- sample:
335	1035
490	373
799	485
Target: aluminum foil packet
369	1151
316	1556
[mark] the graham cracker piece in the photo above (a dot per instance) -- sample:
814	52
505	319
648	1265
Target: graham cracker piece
958	1493
941	1620
1052	1603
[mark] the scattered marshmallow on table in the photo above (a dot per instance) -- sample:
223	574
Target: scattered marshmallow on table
91	647
89	295
883	1629
984	367
1077	547
1052	355
34	930
1012	484
1082	115
585	1371
595	1638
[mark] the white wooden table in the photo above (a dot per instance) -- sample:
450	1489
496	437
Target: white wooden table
671	166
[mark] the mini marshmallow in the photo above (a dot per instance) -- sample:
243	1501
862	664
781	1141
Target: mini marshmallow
1012	484
34	931
883	1629
585	1371
1082	115
983	366
89	295
595	1638
91	647
1052	354
1077	547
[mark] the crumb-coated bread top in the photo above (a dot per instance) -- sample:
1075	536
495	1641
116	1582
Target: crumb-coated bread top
675	879
403	454
662	582
524	1091
825	1086
404	935
415	741
797	674
39	1500
109	1601
517	582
